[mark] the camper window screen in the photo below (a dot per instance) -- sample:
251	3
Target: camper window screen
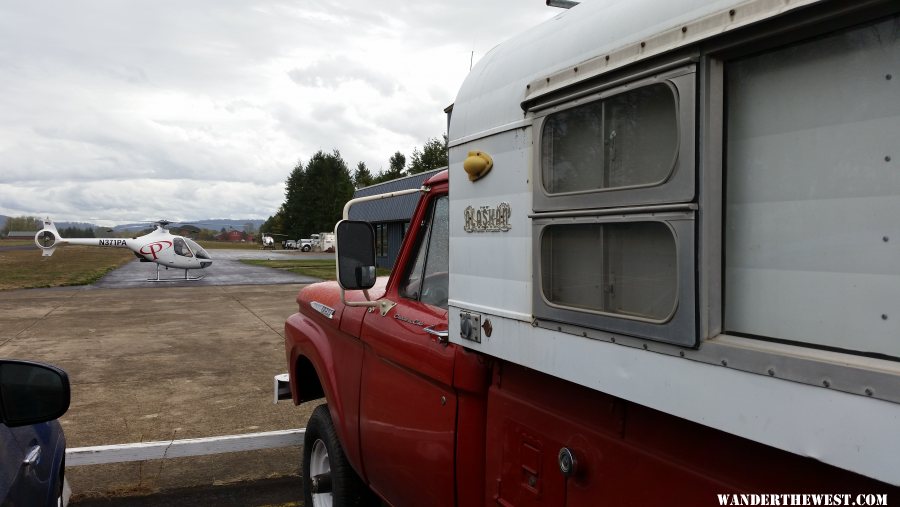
631	270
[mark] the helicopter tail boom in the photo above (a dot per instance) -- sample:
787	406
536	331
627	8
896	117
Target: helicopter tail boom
48	238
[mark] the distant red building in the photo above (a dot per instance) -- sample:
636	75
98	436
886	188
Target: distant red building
235	236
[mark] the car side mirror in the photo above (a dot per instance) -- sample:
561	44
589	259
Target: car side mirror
355	255
32	393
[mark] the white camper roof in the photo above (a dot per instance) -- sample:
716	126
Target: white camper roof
625	30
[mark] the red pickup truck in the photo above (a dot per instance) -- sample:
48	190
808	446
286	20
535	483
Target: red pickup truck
417	420
639	282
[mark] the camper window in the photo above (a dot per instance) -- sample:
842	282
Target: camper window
631	269
624	146
628	139
614	221
631	274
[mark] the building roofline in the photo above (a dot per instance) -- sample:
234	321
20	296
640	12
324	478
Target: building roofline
429	173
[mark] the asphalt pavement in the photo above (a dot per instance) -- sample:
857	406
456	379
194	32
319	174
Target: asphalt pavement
159	361
226	269
278	492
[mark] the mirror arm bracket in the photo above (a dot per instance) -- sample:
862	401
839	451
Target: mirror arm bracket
383	305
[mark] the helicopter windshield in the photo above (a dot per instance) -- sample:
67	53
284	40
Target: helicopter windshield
198	250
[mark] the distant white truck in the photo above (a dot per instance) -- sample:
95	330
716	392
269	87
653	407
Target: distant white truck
326	242
322	242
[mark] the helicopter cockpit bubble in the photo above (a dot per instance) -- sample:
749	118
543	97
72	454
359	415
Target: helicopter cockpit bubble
181	248
198	250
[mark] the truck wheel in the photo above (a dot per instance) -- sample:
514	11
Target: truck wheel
328	479
305	248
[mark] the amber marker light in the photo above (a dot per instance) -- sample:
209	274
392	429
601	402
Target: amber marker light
477	164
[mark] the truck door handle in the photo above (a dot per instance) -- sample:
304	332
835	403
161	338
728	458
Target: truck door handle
33	457
442	336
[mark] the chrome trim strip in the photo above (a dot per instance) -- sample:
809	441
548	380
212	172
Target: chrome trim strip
630	210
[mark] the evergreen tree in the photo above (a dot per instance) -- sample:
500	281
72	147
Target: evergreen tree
362	177
316	195
30	224
432	156
397	163
293	209
395	170
275	223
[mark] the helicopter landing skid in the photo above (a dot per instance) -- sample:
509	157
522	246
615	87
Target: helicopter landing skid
185	279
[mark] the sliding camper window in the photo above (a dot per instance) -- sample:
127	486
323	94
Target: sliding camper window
631	269
812	245
631	274
614	219
622	146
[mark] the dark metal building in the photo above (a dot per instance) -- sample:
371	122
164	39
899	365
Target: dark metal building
390	217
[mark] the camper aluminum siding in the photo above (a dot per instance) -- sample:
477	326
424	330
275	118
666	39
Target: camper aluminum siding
781	324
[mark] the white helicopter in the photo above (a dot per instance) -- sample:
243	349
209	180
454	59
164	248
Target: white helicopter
268	242
159	246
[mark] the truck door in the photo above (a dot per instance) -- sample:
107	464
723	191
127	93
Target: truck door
407	404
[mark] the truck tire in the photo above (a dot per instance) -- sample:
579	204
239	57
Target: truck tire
328	478
305	248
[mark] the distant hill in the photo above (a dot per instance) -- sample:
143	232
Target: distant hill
77	225
212	224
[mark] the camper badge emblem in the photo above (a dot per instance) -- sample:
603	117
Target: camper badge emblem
487	219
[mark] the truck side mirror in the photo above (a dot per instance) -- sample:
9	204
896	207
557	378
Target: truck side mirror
32	393
355	255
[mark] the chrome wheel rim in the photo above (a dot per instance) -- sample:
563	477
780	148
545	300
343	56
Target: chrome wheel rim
319	463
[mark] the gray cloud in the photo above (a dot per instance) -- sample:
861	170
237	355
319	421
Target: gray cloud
332	72
190	110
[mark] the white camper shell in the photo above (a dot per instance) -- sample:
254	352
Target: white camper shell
694	206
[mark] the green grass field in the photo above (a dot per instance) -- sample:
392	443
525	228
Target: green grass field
71	265
17	242
231	245
323	269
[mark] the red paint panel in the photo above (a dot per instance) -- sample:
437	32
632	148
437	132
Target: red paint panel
337	359
629	454
408	432
471	376
408	405
744	465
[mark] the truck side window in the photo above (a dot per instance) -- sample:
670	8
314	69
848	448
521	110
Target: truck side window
428	279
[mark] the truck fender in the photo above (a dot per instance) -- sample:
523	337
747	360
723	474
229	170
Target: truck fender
316	373
306	379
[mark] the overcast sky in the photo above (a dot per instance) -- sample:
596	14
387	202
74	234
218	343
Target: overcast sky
116	111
